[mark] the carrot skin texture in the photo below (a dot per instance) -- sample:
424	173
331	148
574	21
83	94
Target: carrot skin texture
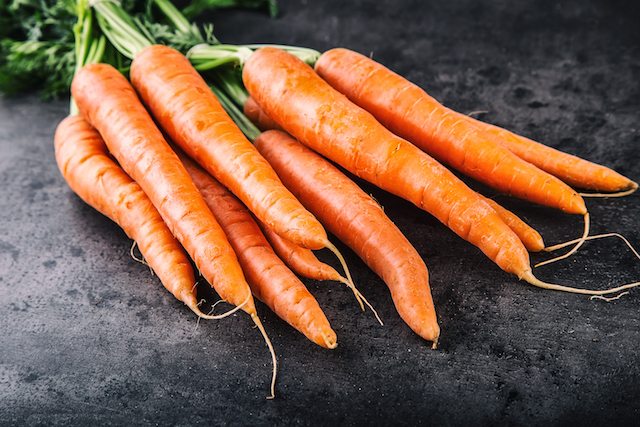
270	280
293	95
186	108
573	170
357	220
109	103
301	260
407	110
257	115
531	239
85	164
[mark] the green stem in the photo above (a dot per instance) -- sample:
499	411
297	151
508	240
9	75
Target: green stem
207	57
231	84
120	29
88	49
177	19
307	55
214	63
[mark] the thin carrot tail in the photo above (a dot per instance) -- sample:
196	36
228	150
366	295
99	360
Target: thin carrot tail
434	346
274	374
330	344
634	187
573	250
531	279
196	309
358	294
141	259
609	299
595	237
351	284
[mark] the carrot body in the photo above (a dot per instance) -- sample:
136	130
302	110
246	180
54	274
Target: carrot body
357	220
108	102
571	169
270	280
257	115
301	260
87	167
408	111
531	239
189	112
292	94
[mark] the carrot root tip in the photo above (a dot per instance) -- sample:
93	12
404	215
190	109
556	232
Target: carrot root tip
531	279
573	250
595	237
329	343
355	291
140	259
633	189
434	346
351	284
274	360
209	316
361	297
609	299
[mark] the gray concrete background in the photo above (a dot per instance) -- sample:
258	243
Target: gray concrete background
87	335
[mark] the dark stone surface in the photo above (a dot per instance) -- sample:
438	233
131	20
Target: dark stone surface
88	336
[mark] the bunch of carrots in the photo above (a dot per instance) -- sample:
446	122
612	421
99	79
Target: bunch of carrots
223	158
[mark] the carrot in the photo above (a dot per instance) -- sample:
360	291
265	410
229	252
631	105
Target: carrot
530	237
323	119
302	260
189	112
305	255
299	259
108	102
357	220
408	111
257	115
571	169
270	280
91	173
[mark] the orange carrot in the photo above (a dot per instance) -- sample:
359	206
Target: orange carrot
571	169
91	173
270	280
301	260
108	102
530	237
357	220
408	111
318	116
189	112
293	95
257	115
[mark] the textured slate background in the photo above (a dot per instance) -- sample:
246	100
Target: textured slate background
88	336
